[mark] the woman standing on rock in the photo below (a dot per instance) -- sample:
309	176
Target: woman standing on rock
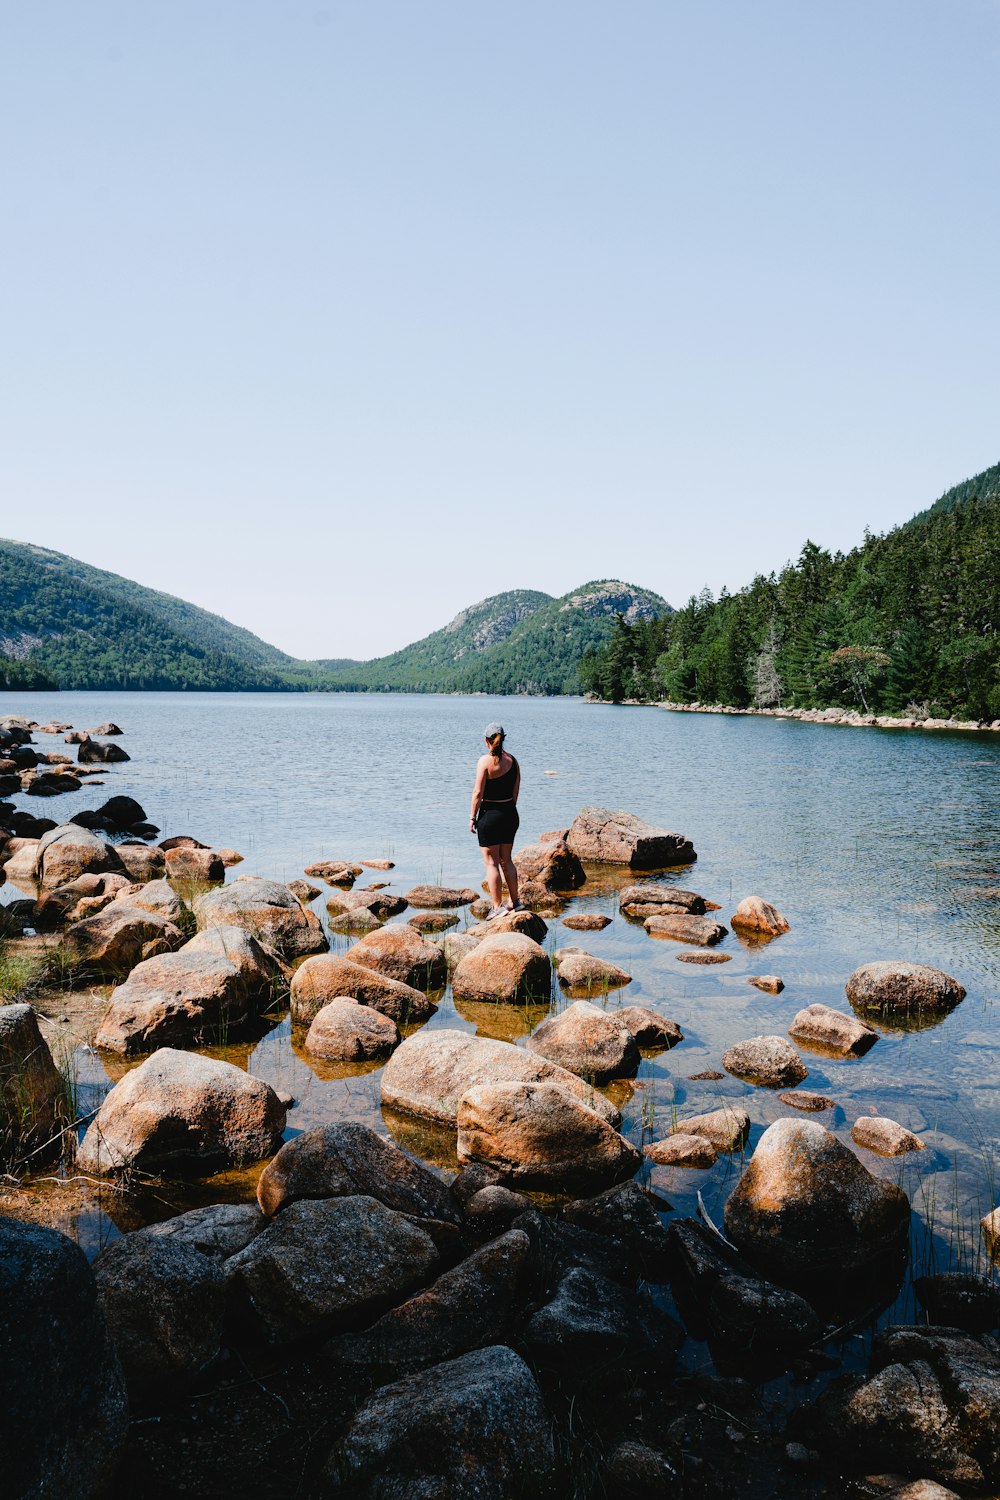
494	819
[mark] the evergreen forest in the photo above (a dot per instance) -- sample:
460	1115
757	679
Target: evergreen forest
906	623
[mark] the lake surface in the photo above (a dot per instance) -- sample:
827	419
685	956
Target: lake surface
873	843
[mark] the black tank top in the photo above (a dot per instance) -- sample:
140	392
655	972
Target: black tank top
500	788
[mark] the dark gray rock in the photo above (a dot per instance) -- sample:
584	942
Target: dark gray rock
347	1159
219	1230
592	1322
626	1213
960	1300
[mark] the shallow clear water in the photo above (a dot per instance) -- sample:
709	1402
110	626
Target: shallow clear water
875	844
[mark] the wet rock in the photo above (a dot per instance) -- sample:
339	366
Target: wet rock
327	1265
736	1304
586	922
402	954
960	1300
230	857
432	1071
592	1322
334	871
769	1061
499	1442
930	1406
508	968
68	851
471	1305
682	1150
33	1106
758	918
181	1112
344	1031
686	929
329	977
81	898
901	987
650	1030
810	1103
113	941
221	979
595	975
539	1136
158	896
771	984
832	1031
633	1471
727	1128
886	1137
65	1412
268	910
651	899
440	895
200	866
346	1160
588	1041
96	752
304	890
378	864
432	921
551	865
620	838
625	1213
218	1230
806	1211
165	1304
704	959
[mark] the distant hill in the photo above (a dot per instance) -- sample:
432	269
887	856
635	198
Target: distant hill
64	623
518	642
906	623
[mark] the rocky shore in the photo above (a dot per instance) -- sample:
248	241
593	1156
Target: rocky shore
848	717
490	1296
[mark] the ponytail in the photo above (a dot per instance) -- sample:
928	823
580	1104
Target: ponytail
496	746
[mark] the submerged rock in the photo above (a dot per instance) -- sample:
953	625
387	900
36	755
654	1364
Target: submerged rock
346	1160
540	1136
810	1103
806	1211
900	987
498	1444
430	1073
588	1041
704	959
586	922
179	1112
268	910
620	838
64	1416
329	1264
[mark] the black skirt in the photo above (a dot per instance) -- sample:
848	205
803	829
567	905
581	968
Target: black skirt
497	823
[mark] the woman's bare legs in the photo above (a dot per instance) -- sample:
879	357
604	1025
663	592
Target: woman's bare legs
509	869
492	855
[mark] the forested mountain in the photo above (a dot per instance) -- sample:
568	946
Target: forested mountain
908	618
518	642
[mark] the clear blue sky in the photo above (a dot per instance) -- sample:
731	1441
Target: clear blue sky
335	317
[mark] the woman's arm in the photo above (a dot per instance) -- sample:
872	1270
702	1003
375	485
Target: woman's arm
477	791
517	784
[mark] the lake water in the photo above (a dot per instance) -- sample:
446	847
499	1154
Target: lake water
874	844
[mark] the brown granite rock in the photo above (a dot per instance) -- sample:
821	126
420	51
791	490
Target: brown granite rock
771	984
538	1135
402	954
268	910
686	929
884	1137
682	1150
587	922
769	1061
509	968
551	865
620	838
703	960
649	1029
348	1158
440	895
832	1031
344	1031
758	917
328	977
898	987
589	1041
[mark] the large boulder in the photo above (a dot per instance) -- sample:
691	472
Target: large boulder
344	1031
371	902
551	865
769	1061
68	851
592	1322
652	1031
832	1031
432	1071
111	943
684	928
329	1264
806	1211
439	895
218	1230
267	909
214	985
80	898
582	971
620	838
653	899
32	1095
328	977
929	1406
180	1112
539	1136
402	954
165	1303
723	1292
157	896
625	1214
199	866
99	752
589	1041
64	1416
509	968
141	863
473	1304
347	1159
473	1428
898	987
